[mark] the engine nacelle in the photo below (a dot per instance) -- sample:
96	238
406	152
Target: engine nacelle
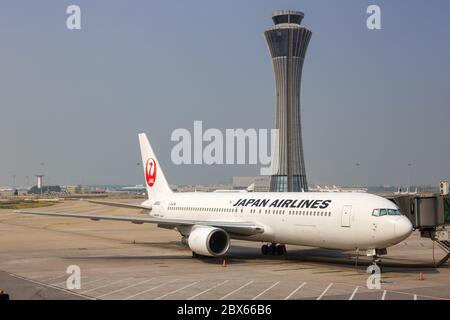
209	241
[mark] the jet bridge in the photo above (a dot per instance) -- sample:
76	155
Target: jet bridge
429	213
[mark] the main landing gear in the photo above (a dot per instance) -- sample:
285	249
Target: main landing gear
273	249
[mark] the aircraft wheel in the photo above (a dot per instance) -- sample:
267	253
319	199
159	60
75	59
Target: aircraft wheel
273	249
281	249
265	249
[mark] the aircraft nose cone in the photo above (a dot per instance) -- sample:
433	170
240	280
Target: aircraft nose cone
403	228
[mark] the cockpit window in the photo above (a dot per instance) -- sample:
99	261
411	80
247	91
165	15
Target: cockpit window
386	212
394	212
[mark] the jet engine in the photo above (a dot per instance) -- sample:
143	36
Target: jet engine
208	241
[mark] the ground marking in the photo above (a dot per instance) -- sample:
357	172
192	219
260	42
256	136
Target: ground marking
353	294
51	286
51	279
121	289
325	291
254	298
204	291
420	295
148	290
295	291
234	291
106	285
82	283
384	295
175	291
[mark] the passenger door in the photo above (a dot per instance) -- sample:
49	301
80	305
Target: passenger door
346	216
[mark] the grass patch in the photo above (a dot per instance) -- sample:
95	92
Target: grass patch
26	205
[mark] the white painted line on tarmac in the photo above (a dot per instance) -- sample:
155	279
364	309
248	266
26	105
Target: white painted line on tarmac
53	279
384	295
127	287
325	291
353	294
207	290
175	291
420	295
234	291
82	283
148	290
106	285
51	286
295	291
259	295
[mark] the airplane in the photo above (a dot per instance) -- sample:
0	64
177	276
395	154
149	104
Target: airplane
207	221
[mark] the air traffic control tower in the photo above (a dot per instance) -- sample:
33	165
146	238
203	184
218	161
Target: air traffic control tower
287	41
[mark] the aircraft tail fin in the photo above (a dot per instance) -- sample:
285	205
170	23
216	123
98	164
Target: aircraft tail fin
155	180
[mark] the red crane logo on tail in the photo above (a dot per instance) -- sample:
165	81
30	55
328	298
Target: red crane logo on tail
150	172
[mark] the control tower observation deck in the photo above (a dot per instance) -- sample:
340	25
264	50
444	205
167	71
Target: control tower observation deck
288	41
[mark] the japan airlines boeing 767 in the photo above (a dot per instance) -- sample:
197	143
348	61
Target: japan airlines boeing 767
207	221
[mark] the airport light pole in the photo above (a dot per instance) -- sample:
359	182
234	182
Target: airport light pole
409	175
357	165
138	164
42	184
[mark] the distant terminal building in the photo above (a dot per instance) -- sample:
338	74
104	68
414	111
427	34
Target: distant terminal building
334	188
10	192
78	189
140	188
288	41
44	189
252	184
201	188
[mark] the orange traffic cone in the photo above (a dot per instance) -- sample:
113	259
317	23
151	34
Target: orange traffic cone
224	263
421	276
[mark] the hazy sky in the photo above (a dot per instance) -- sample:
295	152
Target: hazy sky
76	100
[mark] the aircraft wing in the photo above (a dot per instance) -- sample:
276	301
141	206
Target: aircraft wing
120	204
238	228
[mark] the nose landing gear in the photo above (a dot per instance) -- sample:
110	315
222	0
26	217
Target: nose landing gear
273	249
375	253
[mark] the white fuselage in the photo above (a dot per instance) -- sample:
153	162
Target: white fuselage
327	220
